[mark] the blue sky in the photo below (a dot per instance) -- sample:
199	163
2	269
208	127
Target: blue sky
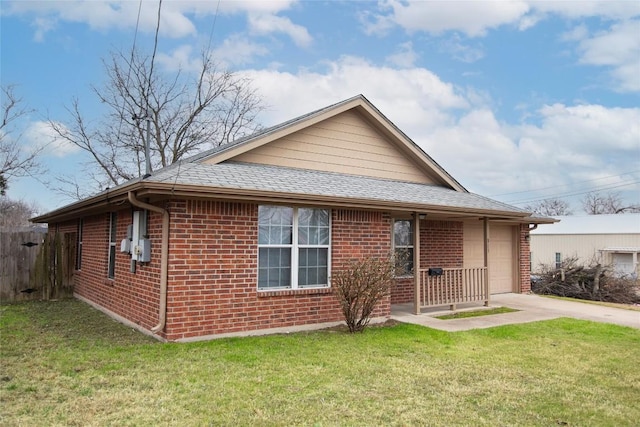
518	100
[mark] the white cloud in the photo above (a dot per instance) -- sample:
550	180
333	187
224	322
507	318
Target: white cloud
476	18
463	52
268	23
618	48
180	59
473	18
175	22
415	96
39	135
238	50
459	130
405	56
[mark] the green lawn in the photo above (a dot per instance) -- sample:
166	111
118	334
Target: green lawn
64	363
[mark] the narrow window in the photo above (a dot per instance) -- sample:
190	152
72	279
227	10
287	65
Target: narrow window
293	247
558	260
79	244
403	245
112	245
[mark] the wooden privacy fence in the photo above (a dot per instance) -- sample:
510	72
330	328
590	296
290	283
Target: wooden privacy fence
454	286
35	265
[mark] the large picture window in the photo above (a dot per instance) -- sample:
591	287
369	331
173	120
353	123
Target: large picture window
293	247
403	246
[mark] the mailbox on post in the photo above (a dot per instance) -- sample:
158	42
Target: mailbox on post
435	272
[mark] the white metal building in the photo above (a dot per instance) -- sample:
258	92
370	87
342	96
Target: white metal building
612	240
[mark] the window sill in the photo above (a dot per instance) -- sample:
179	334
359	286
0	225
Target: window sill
287	292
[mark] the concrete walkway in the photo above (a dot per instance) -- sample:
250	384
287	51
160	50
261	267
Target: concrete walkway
532	308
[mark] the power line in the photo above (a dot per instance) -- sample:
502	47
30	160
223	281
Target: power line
213	26
564	185
571	194
155	48
133	49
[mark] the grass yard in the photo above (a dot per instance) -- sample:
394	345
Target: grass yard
64	363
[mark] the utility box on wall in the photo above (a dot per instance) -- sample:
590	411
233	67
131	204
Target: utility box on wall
140	244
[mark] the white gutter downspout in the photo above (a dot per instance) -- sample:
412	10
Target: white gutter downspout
164	258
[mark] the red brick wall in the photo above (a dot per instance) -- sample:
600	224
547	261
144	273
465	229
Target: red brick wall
133	296
524	259
441	245
213	276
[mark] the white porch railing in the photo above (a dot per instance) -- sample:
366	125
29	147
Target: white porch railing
454	286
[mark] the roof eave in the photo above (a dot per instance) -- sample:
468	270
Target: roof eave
161	189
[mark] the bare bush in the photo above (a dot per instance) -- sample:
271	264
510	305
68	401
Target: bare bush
360	287
593	282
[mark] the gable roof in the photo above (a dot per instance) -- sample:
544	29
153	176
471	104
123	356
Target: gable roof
593	224
215	174
358	103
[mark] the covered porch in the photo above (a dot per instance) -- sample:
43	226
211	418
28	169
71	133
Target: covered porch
461	261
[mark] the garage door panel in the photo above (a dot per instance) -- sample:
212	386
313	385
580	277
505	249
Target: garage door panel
501	256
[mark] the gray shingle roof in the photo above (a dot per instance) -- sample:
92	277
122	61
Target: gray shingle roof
275	179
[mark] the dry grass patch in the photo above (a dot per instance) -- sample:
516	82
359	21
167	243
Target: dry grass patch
64	363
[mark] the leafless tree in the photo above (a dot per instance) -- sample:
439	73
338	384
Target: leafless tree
186	113
596	203
16	213
549	207
15	161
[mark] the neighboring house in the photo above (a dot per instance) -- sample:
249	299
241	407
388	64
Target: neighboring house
244	237
612	240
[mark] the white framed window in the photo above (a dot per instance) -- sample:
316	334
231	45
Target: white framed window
111	270
294	247
558	260
403	245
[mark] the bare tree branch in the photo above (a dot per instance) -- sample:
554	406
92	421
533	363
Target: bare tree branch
15	161
596	203
188	113
550	207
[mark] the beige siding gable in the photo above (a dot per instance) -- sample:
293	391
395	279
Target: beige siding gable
345	143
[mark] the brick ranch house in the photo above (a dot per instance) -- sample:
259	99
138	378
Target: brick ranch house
243	238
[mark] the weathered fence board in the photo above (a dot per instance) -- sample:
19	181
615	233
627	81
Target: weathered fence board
18	252
36	265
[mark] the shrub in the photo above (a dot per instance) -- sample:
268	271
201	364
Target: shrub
360	286
592	282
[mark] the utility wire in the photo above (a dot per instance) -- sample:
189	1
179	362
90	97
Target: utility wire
153	55
213	26
571	194
133	49
564	185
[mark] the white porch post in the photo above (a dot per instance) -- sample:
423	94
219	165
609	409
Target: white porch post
485	223
417	303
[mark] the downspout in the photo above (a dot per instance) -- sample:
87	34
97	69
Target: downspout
164	258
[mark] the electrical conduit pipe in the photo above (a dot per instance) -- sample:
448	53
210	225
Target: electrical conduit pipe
164	258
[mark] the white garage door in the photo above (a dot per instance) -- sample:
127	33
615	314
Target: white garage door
501	259
623	264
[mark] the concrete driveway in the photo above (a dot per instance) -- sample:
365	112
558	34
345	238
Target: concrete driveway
532	308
